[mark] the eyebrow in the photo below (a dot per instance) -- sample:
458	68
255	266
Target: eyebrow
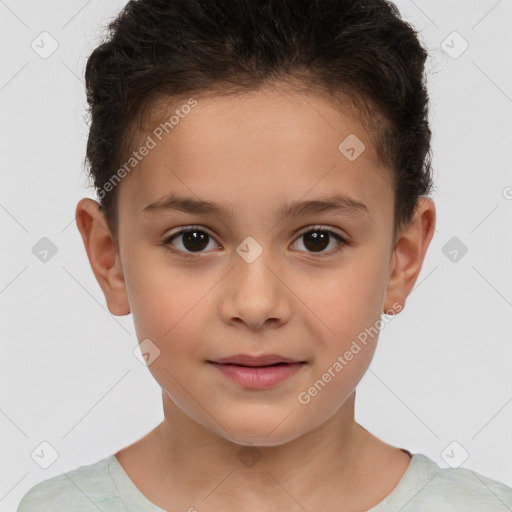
335	202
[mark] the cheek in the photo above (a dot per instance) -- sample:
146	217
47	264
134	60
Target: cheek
166	302
348	299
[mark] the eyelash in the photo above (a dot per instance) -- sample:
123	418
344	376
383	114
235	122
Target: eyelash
342	241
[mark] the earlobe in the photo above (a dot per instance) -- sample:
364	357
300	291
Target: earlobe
103	256
409	253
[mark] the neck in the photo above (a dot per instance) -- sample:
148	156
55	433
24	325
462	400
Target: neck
334	448
180	463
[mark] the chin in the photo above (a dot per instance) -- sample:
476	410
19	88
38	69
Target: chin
262	440
274	431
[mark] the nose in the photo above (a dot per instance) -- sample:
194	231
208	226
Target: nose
255	295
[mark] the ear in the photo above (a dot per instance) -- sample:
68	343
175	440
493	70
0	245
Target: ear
409	253
103	256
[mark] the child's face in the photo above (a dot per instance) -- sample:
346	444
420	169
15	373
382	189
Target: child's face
205	299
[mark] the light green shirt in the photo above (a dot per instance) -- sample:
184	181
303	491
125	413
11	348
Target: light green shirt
425	487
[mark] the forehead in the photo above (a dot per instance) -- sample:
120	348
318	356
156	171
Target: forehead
265	147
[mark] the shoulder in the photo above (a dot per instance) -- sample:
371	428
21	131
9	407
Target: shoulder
79	490
455	489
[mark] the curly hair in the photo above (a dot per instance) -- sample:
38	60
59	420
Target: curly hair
359	54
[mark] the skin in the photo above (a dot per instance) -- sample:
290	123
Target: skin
254	152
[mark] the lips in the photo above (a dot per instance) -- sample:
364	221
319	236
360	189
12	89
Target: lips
258	372
256	361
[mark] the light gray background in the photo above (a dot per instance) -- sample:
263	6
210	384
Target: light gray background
69	377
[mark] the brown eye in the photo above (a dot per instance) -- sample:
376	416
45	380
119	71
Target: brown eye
193	240
316	240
